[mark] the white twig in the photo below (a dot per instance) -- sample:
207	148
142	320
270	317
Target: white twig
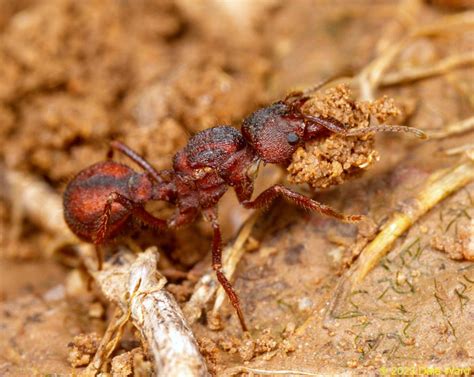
136	287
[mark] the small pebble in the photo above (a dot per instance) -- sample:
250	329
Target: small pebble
305	304
96	310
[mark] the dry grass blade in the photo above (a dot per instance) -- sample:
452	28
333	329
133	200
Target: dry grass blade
37	201
208	285
372	75
451	23
438	68
464	87
108	343
439	188
135	286
453	129
266	372
466	148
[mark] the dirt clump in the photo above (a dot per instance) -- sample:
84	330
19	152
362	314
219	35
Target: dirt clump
82	349
132	363
458	244
210	351
329	161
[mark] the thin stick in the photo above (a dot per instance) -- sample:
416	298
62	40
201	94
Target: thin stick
418	73
37	200
453	129
458	150
371	76
289	372
135	285
441	186
138	288
108	343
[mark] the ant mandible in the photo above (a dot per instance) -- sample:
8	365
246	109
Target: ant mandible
101	199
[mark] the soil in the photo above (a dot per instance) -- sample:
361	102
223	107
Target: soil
330	160
75	75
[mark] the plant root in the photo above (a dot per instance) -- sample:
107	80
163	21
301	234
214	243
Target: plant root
441	185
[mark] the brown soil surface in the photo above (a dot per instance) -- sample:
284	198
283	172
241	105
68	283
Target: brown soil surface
77	74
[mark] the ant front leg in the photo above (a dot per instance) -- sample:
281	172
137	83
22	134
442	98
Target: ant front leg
266	197
104	221
211	215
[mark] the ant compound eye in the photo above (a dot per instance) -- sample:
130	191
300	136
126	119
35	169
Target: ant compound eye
292	138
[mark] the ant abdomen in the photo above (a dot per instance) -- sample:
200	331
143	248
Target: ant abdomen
87	195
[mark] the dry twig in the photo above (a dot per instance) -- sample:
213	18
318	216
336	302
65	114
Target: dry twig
466	148
372	75
136	287
453	129
241	369
108	342
439	68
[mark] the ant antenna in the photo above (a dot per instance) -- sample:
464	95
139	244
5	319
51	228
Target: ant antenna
314	88
387	128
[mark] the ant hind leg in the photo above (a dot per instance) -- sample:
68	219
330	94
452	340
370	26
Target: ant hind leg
311	89
104	221
211	215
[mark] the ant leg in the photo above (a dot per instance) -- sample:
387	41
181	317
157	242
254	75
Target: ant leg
328	123
337	127
102	232
135	157
134	208
100	256
266	197
311	89
137	210
211	215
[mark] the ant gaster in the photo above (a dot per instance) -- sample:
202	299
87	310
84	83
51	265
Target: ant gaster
101	199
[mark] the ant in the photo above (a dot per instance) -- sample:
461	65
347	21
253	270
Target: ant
101	199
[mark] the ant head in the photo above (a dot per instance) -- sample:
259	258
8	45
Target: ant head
274	132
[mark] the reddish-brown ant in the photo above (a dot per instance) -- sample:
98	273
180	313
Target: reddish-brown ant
100	200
